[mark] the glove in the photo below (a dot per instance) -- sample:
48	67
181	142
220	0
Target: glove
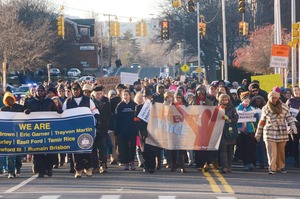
59	111
257	138
294	129
225	117
27	111
153	102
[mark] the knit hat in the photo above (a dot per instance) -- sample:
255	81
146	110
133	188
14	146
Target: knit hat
110	93
233	91
252	86
98	88
245	95
76	86
223	96
277	89
147	93
187	94
273	94
87	87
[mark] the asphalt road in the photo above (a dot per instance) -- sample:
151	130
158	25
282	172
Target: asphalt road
119	184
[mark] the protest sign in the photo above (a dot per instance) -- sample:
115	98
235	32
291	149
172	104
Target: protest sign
109	83
128	78
145	111
246	116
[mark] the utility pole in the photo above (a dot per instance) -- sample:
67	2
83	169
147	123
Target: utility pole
198	37
224	40
109	40
294	47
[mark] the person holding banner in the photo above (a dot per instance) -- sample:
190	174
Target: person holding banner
273	127
126	129
247	142
230	133
42	163
202	158
294	104
178	154
14	162
82	161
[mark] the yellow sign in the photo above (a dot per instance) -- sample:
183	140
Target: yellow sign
185	68
267	82
199	70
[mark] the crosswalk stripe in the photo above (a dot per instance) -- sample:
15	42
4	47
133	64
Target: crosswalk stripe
21	184
50	197
166	197
110	197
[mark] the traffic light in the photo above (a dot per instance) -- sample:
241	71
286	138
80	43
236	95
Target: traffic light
114	29
245	29
191	5
61	26
143	28
138	29
241	28
176	3
295	33
202	29
242	6
165	35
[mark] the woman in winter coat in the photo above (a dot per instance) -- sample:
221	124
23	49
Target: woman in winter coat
273	127
229	134
126	129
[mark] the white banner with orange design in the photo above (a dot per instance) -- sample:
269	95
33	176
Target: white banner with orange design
185	128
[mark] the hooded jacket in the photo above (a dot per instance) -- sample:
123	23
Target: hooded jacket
15	107
206	101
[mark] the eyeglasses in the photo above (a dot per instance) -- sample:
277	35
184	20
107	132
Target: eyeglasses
256	90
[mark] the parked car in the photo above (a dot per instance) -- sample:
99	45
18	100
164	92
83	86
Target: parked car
74	72
135	65
227	83
54	72
87	79
21	91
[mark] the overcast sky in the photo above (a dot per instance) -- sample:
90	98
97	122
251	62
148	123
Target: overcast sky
124	9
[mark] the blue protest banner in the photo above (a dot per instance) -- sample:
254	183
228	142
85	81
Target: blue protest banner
73	131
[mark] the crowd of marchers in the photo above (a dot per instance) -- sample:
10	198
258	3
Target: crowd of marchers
121	135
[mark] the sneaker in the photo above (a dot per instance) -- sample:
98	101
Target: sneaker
283	171
182	170
102	169
132	166
251	167
78	174
41	175
271	172
88	172
18	172
165	161
126	167
246	167
49	172
11	175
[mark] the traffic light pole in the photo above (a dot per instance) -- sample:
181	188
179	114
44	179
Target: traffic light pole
224	41
294	47
198	38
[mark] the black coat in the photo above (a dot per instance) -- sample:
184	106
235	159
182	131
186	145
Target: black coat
104	109
41	104
13	108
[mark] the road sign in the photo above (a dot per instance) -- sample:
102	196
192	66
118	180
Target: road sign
185	68
199	70
280	56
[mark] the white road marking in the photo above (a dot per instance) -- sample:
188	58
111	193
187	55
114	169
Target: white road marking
110	197
226	197
50	197
166	197
21	184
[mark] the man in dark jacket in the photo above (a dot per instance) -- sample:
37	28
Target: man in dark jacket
43	163
256	90
103	106
82	161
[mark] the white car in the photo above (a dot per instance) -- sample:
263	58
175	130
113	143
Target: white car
54	72
87	79
74	72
